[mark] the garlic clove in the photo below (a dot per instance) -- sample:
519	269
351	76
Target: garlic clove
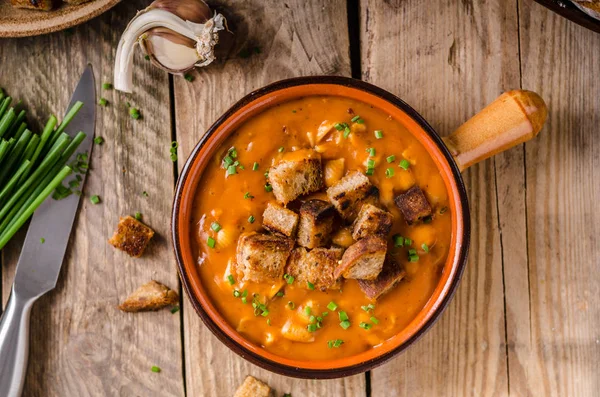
174	44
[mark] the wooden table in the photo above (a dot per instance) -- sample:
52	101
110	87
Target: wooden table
526	318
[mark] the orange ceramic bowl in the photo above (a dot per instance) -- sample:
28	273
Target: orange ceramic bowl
255	103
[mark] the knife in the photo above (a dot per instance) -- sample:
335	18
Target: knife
39	264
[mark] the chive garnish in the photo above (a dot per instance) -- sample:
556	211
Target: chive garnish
371	151
370	163
102	102
174	309
255	166
134	113
355	118
245	293
269	322
42	240
281	149
425	247
138	216
413	258
368	307
390	159
427	219
279	294
370	171
345	324
98	140
248	196
332	306
230	279
310	285
339	126
374	320
311	327
404	164
155	369
389	172
307	310
188	77
145	193
443	210
95	199
346	132
231	170
215	226
244	300
407	241
268	188
291	305
365	325
378	134
412	251
211	242
334	343
398	240
288	278
343	315
147	57
107	86
251	219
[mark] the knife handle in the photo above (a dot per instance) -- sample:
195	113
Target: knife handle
14	344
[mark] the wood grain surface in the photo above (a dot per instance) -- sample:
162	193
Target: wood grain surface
526	318
81	344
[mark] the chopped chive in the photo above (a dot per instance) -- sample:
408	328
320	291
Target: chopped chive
370	171
74	184
251	219
413	258
265	313
412	251
370	163
294	111
404	164
245	293
368	307
407	241
374	320
174	309
233	152
324	314
244	300
427	219
42	240
102	102
134	113
332	306
269	321
268	188
398	240
155	369
310	285
255	166
311	327
378	134
173	157
345	324
346	132
355	118
425	247
338	126
231	170
145	193
107	86
227	161
360	121
371	151
289	279
98	140
281	149
307	310
343	315
188	77
279	294
241	167
138	216
95	199
389	172
215	226
365	325
248	196
390	159
230	279
211	242
443	210
291	305
147	57
236	293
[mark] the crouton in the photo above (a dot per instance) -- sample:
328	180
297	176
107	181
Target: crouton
132	236
252	387
413	204
45	5
261	257
315	267
150	296
363	260
280	220
372	221
390	275
350	193
297	174
316	222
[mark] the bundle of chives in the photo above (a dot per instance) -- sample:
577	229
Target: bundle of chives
32	166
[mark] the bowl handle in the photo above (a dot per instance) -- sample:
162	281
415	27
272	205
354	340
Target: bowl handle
513	118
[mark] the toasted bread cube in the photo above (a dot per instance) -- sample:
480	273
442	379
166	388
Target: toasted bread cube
363	260
413	204
44	5
316	223
372	221
150	296
296	332
315	267
296	175
132	236
390	275
261	257
252	387
350	193
280	220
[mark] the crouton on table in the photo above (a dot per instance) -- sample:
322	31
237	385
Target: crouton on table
252	387
363	260
316	222
298	173
372	221
150	296
390	275
132	236
350	193
261	257
277	219
413	204
315	267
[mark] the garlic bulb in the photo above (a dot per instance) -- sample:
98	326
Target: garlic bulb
176	35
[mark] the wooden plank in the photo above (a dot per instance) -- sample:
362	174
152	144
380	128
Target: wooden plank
558	346
449	64
295	38
81	344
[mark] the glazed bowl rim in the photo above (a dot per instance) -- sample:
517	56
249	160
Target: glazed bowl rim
460	258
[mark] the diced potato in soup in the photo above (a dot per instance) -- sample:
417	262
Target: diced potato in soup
334	318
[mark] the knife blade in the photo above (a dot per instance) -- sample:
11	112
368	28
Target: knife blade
39	264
